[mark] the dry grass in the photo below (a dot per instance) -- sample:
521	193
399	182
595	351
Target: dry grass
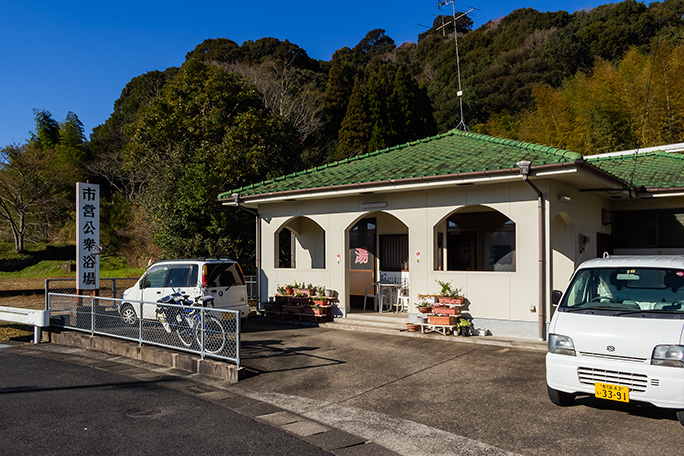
22	284
15	332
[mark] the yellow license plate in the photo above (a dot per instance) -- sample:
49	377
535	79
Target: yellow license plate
611	392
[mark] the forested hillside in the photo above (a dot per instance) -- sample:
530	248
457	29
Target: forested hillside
593	81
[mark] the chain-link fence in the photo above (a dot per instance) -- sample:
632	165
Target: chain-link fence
110	287
203	330
252	291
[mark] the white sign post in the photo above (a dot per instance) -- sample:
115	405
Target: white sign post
87	236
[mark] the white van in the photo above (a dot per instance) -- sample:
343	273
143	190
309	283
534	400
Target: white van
218	277
617	333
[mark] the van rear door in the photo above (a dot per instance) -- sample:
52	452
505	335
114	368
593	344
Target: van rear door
225	282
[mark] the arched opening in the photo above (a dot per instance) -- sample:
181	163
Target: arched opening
378	250
300	243
475	238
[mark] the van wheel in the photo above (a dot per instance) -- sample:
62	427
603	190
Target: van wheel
680	416
561	398
128	315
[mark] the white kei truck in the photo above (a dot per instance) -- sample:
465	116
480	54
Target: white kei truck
617	333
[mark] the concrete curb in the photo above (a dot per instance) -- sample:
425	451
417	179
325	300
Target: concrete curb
153	355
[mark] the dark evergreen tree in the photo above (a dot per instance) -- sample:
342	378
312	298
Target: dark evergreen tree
355	129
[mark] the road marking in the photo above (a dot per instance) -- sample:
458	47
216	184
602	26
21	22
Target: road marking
403	436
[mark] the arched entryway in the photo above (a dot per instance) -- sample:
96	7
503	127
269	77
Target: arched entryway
377	249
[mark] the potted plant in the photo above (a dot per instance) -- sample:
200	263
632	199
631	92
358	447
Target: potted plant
412	327
464	326
423	306
280	290
304	289
289	288
436	319
448	295
319	300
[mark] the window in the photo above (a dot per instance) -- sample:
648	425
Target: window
286	249
476	241
300	243
649	229
156	277
223	275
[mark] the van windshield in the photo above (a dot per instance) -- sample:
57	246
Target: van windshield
626	291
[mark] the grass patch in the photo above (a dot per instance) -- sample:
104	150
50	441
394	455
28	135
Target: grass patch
109	267
15	332
7	251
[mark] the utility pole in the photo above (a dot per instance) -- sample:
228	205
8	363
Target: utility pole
461	125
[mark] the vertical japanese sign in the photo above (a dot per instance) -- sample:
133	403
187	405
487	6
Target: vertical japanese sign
87	236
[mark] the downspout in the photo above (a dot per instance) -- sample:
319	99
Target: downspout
524	166
236	199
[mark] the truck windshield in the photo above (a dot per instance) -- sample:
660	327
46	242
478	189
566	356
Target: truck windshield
626	291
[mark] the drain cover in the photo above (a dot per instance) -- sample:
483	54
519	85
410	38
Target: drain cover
137	412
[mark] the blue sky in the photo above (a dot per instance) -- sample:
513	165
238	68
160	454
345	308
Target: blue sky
77	56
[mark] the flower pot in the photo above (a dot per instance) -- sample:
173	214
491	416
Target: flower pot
424	309
465	331
288	290
441	319
412	327
448	300
445	310
304	291
328	293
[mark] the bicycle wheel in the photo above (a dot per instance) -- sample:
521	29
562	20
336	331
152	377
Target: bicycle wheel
214	336
185	334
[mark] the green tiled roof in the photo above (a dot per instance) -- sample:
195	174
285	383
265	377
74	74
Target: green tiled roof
650	169
454	152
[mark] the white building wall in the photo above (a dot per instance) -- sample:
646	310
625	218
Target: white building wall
493	295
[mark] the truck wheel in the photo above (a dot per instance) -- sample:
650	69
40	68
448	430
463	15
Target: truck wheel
560	398
128	315
680	416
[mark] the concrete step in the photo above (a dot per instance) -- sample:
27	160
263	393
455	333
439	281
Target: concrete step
398	318
392	330
388	323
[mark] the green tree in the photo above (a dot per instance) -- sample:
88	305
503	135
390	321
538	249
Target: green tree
46	135
381	112
208	130
355	130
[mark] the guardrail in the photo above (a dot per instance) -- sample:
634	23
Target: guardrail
37	318
204	331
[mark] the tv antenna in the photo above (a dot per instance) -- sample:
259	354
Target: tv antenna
461	125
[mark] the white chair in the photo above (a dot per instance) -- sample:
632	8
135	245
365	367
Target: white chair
403	301
377	295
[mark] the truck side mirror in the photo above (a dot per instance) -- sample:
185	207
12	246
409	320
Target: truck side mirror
556	296
144	283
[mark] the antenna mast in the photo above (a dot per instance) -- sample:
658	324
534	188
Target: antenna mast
461	125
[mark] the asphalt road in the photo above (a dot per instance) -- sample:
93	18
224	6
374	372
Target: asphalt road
53	406
400	392
343	391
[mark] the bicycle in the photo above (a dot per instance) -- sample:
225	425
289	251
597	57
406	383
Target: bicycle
185	319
